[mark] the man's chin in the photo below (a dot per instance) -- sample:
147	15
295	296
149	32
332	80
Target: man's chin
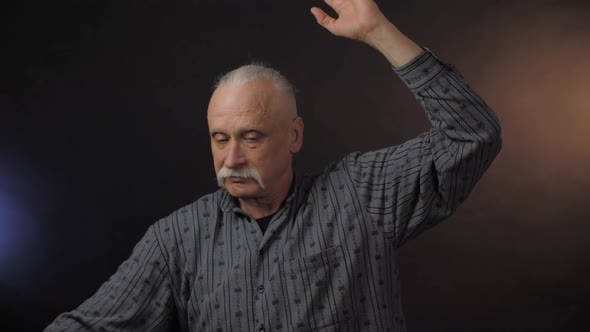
243	190
244	194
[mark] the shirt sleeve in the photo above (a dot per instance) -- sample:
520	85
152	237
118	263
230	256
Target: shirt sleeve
413	186
138	297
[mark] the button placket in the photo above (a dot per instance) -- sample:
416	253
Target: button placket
258	286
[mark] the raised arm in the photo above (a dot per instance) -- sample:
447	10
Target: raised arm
362	20
410	187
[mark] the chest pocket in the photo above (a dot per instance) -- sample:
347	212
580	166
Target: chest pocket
317	289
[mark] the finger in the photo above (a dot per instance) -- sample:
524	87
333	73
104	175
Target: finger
322	18
335	5
330	3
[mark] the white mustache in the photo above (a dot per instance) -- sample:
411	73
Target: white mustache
249	173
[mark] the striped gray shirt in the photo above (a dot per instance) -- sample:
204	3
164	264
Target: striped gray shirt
326	261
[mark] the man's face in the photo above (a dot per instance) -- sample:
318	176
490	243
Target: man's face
254	126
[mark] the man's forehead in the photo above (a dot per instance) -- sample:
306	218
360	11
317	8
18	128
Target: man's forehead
250	99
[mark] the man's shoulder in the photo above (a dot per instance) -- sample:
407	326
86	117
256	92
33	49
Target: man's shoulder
352	166
208	202
189	219
337	167
334	171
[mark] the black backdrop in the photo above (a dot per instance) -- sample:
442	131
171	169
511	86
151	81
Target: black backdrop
103	131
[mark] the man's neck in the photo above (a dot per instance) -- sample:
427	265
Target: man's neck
263	206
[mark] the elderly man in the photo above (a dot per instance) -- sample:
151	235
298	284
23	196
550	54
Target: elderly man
274	251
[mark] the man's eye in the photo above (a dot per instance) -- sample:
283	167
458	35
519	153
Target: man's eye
221	140
251	139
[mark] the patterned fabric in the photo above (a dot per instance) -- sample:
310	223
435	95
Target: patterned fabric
326	261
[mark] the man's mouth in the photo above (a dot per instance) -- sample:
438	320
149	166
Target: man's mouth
237	179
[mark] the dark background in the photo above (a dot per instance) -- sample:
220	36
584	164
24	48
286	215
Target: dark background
103	131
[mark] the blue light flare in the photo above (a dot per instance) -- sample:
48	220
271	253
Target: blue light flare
18	229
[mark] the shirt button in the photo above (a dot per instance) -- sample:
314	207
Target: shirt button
260	289
261	328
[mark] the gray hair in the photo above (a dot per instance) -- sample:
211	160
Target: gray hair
249	173
254	71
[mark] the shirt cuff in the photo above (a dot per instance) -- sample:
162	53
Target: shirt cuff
422	70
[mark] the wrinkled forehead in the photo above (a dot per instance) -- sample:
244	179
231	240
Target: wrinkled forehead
258	98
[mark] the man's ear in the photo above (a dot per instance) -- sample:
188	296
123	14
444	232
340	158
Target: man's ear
296	135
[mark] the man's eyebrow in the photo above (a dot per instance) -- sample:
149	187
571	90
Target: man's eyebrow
215	132
251	130
240	133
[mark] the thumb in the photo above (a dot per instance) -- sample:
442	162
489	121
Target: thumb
322	18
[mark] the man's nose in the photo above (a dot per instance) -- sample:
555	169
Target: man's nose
234	158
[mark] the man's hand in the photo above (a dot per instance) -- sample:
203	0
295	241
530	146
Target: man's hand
357	19
363	20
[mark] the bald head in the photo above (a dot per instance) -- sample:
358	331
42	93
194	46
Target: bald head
251	72
267	86
260	98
